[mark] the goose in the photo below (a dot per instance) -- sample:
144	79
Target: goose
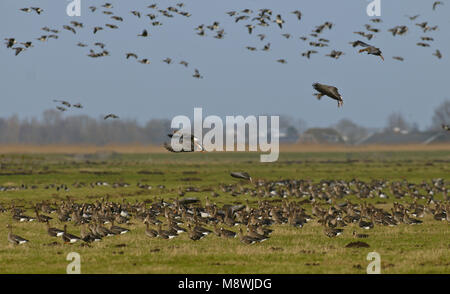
92	8
168	60
128	55
298	13
266	47
332	232
369	49
118	18
413	17
279	21
53	232
446	127
107	12
18	50
96	29
69	238
150	232
330	91
435	4
69	28
241	175
14	239
101	45
308	53
194	142
250	28
253	234
78	105
113	116
421	44
335	54
246	239
194	235
103	232
185	63
437	54
38	10
365	224
107	5
143	34
63	102
42	218
10	42
144	61
136	13
287	36
77	24
165	234
118	230
251	48
25	9
111	26
27	44
197	74
282	61
399	58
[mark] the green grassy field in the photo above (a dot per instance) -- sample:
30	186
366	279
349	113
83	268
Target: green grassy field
421	248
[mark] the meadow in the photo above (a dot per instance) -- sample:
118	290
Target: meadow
423	248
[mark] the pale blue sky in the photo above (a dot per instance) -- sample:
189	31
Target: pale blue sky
236	81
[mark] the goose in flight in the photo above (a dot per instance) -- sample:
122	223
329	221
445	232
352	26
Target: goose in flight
62	109
446	127
37	9
298	13
194	142
437	54
69	28
10	42
279	21
370	49
144	34
113	116
399	58
96	29
241	175
330	91
185	63
308	53
78	105
131	55
197	74
435	4
144	61
18	50
63	102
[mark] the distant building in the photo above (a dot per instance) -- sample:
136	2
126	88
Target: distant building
404	137
321	136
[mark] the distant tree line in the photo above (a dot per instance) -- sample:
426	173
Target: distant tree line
54	128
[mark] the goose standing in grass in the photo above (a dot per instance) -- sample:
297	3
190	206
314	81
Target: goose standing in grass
118	230
330	91
14	239
69	238
150	232
53	232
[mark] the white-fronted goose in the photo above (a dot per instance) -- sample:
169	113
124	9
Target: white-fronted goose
53	232
330	91
69	238
14	239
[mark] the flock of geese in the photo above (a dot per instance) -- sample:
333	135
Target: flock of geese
325	203
254	20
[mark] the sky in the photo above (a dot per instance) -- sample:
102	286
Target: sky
236	81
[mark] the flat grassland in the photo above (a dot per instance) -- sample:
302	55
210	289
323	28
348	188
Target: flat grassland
423	248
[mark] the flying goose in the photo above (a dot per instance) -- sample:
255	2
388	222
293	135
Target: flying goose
107	5
18	50
241	175
398	58
329	91
118	18
435	4
96	29
111	26
446	128
168	60
437	54
143	34
25	9
185	63
298	13
14	239
10	42
128	55
92	8
113	116
370	49
27	44
37	9
77	24
136	13
308	53
144	61
66	103
279	21
197	74
69	28
194	142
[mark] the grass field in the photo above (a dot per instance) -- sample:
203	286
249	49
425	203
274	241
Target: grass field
423	248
